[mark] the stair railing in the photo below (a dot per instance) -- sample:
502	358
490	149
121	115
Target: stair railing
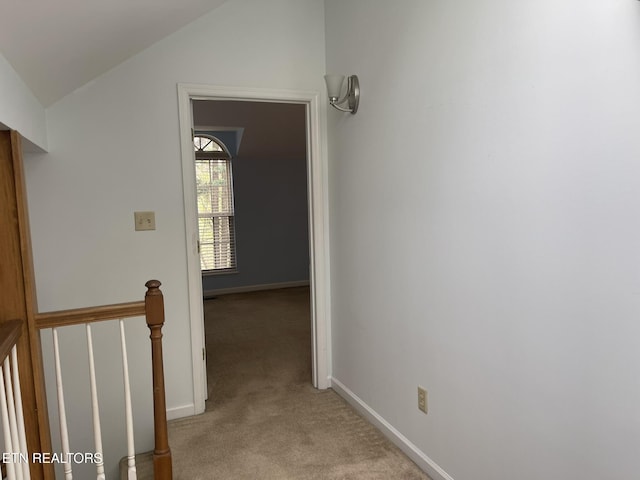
16	462
153	309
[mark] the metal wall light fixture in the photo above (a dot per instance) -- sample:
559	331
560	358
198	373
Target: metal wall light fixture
351	98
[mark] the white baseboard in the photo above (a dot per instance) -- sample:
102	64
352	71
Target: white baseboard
181	411
409	449
254	288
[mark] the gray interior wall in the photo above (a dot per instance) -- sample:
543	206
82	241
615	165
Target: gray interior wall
270	191
484	236
131	113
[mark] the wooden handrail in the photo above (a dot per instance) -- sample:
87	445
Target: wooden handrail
153	309
9	334
75	316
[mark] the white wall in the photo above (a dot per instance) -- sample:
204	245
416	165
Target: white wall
114	149
19	108
484	206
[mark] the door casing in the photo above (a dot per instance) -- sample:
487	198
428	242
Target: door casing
318	224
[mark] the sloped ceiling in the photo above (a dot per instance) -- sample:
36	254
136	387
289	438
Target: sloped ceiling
58	46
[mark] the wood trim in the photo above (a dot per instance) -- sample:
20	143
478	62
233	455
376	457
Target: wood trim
29	348
9	334
63	318
23	225
154	306
32	339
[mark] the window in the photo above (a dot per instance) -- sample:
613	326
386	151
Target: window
215	206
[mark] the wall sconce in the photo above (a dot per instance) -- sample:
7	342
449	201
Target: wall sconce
352	97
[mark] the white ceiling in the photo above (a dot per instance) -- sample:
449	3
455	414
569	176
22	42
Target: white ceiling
57	46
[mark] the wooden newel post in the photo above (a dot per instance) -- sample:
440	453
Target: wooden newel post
154	307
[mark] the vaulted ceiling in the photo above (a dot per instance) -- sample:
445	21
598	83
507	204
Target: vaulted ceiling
58	46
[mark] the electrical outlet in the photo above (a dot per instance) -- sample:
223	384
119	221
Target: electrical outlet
422	399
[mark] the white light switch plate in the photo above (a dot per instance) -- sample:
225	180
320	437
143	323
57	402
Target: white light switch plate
145	220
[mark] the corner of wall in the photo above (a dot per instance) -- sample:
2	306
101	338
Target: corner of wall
399	440
20	110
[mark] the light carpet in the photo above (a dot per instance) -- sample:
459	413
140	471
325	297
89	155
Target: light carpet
263	419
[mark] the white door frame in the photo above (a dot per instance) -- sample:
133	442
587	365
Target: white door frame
318	224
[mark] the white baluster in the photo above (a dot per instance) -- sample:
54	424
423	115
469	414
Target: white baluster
64	433
97	432
131	451
4	412
22	436
11	406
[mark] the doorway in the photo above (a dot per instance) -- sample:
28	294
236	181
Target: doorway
262	187
317	232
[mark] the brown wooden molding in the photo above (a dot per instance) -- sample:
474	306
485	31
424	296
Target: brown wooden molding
77	316
154	301
9	334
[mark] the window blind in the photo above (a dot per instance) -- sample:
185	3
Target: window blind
215	214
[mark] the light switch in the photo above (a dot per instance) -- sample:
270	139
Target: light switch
145	220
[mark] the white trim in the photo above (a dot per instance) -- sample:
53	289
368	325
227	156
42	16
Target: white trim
318	222
181	411
254	288
194	280
402	442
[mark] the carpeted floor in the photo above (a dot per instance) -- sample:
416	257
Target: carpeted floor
263	419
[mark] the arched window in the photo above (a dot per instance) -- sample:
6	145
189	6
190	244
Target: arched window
204	143
215	205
